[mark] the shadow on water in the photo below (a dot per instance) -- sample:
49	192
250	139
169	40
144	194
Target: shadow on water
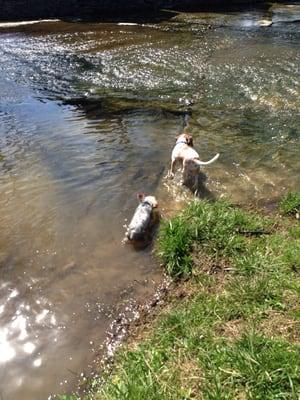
148	12
152	16
95	107
153	13
157	13
202	192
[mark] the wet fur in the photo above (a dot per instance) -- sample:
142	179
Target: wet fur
142	219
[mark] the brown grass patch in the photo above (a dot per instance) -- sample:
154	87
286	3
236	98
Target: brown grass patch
279	325
231	330
191	377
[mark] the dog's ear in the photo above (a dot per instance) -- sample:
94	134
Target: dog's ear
140	197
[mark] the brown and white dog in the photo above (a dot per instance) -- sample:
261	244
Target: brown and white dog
141	221
184	152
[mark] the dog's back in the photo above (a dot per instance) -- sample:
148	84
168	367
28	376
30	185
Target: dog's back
184	151
140	221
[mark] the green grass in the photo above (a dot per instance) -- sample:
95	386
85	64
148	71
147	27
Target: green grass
235	335
219	228
253	367
290	204
67	397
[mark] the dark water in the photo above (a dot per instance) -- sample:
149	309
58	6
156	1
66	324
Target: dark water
88	116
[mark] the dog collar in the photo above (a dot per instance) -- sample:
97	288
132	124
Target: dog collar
181	142
147	202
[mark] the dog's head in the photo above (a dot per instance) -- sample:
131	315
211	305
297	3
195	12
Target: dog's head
185	137
149	199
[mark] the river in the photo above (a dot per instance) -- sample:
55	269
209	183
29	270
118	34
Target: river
88	116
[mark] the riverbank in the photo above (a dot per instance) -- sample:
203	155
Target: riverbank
230	328
16	10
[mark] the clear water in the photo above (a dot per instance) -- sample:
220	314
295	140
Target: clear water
88	116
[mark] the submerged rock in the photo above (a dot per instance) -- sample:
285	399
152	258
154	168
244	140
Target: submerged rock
265	22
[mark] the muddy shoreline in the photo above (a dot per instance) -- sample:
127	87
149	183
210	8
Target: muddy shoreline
130	322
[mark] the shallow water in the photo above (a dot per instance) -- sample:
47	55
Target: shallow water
88	116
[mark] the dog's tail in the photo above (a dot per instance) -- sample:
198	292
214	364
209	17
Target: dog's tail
198	162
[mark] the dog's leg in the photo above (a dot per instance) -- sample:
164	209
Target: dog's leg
184	175
196	184
172	169
173	165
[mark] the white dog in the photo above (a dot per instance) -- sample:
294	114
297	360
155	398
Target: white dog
184	152
141	219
